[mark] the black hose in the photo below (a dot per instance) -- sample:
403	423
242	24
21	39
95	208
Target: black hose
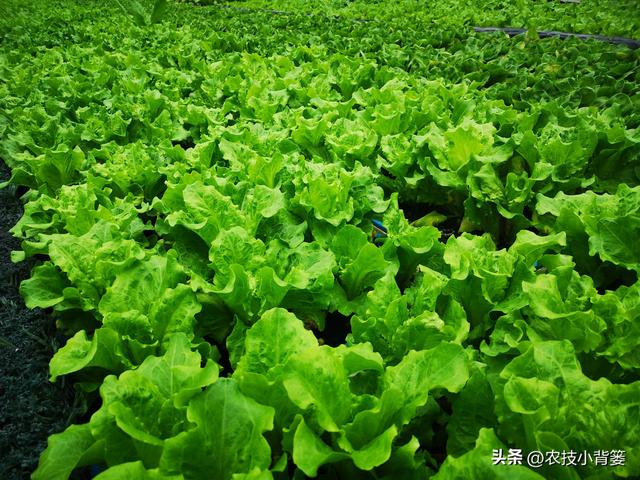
563	35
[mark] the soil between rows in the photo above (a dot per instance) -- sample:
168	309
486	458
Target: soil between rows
31	408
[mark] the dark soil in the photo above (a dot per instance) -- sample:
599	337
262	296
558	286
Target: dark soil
31	408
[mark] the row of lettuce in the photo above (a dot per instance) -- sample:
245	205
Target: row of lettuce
521	71
618	18
201	217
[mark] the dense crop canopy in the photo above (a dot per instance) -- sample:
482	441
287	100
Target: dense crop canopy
324	258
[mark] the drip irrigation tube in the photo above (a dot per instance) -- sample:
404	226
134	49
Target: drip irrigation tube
563	35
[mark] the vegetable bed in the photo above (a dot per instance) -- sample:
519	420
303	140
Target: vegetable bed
298	246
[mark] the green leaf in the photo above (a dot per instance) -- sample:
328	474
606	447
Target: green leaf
64	453
445	366
45	287
368	267
315	378
146	402
134	471
79	352
310	452
531	246
473	410
560	314
227	438
160	8
271	341
377	452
